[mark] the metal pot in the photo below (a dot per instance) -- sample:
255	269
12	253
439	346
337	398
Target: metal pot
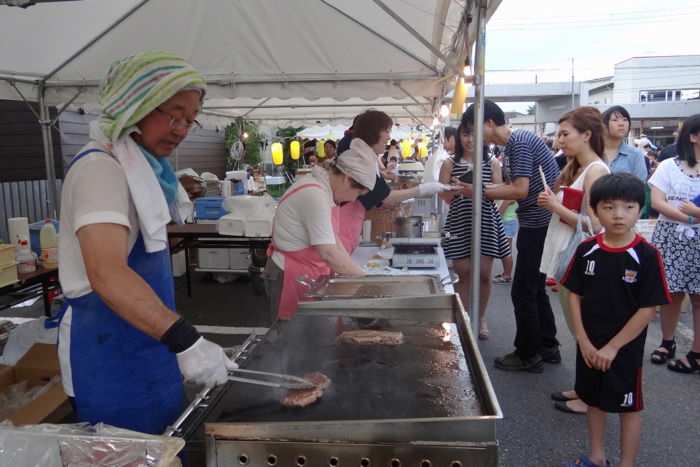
409	227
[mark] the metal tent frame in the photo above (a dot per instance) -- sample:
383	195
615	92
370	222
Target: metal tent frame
469	32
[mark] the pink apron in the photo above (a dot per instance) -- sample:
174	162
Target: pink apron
304	262
352	215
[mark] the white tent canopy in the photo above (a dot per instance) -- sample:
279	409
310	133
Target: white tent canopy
337	131
329	110
323	132
261	49
408	50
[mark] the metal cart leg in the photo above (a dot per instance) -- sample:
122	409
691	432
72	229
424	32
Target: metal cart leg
187	270
45	297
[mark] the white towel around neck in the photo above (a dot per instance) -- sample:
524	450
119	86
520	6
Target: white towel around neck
148	198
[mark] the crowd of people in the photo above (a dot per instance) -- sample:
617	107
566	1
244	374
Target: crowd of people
576	205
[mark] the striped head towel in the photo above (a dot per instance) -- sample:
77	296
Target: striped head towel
133	88
137	85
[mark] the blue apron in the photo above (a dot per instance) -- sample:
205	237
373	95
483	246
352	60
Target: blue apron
122	376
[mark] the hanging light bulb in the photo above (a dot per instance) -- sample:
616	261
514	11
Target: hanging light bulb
277	154
294	150
444	111
460	93
245	135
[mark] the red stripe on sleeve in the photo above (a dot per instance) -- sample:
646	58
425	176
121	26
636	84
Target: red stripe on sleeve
569	268
662	272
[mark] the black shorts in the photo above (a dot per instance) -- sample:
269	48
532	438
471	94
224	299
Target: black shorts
617	390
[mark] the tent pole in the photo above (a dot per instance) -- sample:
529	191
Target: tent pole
477	194
382	37
45	122
318	106
36	115
256	107
434	50
413	116
65	106
412	97
92	42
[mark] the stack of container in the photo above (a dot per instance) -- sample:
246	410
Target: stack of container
8	267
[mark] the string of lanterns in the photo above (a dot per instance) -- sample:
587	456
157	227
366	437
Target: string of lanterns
406	147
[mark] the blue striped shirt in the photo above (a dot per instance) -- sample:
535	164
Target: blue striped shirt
525	152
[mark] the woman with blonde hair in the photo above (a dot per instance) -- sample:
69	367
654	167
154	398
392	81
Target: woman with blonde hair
580	137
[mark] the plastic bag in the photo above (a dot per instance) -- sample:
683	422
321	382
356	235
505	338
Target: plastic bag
23	337
568	252
82	445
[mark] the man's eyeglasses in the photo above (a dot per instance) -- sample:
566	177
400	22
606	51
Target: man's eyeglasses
181	123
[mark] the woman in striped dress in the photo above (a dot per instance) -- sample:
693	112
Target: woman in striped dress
458	226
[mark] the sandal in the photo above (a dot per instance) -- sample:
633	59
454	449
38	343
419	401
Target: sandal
691	367
564	407
665	352
584	461
560	396
484	334
501	279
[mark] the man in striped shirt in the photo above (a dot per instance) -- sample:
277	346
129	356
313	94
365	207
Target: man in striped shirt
525	154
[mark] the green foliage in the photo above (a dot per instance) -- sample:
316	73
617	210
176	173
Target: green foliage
252	144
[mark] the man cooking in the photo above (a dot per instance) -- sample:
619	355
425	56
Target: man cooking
124	352
306	227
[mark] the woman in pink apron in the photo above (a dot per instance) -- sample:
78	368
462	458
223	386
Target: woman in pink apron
306	235
371	131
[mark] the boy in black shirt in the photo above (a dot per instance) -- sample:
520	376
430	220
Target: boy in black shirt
616	280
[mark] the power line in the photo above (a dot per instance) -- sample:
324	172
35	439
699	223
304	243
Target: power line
601	24
606	16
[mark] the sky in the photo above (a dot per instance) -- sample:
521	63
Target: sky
528	40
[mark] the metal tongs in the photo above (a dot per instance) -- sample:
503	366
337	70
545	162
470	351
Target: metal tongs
273	380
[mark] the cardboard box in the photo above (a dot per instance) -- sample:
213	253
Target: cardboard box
37	366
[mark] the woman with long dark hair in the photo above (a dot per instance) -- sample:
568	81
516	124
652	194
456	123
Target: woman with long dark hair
580	137
458	226
675	194
620	156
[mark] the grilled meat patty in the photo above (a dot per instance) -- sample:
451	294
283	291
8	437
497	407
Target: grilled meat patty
370	336
305	397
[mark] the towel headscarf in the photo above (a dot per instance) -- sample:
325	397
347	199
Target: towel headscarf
133	88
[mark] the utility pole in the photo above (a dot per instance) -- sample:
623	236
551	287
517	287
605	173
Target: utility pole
573	96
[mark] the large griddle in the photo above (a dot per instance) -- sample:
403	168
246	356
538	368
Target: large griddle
425	377
428	398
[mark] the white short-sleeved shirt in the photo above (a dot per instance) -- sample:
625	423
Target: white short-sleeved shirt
94	191
304	219
676	184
